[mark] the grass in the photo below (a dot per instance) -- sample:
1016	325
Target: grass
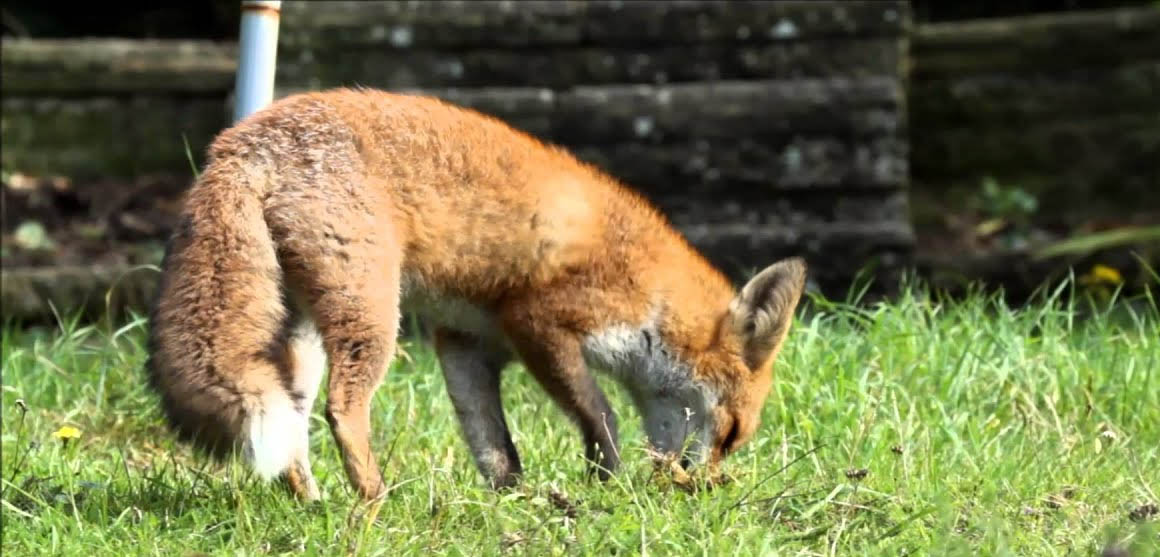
915	426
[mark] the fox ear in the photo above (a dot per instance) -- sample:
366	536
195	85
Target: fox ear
762	311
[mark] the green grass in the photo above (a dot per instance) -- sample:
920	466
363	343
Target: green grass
983	430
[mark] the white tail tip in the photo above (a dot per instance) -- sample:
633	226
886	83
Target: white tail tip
275	435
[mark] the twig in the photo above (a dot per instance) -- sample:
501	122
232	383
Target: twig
741	500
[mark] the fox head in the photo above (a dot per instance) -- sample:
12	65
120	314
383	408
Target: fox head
752	331
703	402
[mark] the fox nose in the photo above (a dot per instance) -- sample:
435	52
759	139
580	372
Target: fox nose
686	462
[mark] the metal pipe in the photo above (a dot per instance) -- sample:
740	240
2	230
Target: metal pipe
257	56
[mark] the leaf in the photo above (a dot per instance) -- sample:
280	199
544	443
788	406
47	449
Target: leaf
1101	240
32	236
990	227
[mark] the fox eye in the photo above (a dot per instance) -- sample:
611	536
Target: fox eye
730	438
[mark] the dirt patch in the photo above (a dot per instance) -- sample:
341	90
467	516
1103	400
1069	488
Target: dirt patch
993	236
55	221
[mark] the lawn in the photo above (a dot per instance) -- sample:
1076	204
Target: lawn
910	427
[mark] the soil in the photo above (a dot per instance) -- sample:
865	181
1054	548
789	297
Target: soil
98	222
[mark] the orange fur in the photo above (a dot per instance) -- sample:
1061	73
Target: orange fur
341	208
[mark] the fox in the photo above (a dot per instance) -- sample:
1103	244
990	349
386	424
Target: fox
322	218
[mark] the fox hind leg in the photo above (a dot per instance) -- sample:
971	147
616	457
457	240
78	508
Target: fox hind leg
348	269
358	321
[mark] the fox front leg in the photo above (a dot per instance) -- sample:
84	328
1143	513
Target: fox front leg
471	369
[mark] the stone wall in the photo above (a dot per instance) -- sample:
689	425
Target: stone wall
94	138
111	108
1064	106
762	129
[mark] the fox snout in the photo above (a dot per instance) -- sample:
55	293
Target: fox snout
678	427
691	451
696	427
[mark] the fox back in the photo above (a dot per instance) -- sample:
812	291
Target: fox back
319	220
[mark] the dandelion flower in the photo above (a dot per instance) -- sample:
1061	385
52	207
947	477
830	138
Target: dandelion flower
67	432
1102	274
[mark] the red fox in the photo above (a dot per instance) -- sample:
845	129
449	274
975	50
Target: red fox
320	219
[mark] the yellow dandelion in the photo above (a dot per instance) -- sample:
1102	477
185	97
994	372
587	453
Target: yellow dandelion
1102	274
67	432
